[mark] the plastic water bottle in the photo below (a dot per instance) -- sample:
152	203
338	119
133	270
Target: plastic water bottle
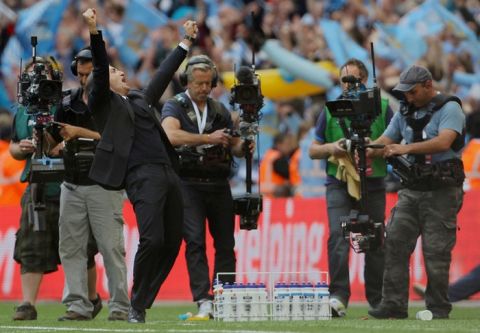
296	301
323	301
262	295
250	294
218	300
309	309
241	291
229	303
281	295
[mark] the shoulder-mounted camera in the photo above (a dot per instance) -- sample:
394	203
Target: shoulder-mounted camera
35	90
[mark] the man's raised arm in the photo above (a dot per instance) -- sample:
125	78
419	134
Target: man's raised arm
169	66
100	91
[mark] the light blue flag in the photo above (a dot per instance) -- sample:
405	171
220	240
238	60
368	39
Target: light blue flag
5	101
139	19
295	65
430	19
423	20
342	46
41	20
458	25
11	56
399	43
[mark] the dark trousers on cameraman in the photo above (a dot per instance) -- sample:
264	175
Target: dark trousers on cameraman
212	204
154	190
340	203
433	216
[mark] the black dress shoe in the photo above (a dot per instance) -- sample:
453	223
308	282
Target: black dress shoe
385	313
135	316
440	315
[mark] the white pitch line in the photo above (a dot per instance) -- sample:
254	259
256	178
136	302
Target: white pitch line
68	329
223	331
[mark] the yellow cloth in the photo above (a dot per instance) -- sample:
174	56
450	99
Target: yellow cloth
346	172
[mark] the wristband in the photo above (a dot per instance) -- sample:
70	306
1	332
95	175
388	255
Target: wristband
190	38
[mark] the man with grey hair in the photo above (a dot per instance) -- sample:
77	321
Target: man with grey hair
202	128
433	126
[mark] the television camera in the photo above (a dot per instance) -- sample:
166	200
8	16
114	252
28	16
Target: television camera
247	93
359	106
38	94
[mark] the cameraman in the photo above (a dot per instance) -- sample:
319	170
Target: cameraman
203	128
328	142
36	248
88	212
433	127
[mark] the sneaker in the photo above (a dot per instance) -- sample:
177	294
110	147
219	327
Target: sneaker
25	311
205	309
97	306
118	315
382	312
135	316
419	289
73	316
338	308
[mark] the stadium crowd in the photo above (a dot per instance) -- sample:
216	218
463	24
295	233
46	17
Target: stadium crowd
441	36
227	30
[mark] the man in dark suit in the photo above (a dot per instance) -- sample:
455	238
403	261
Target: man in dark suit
134	152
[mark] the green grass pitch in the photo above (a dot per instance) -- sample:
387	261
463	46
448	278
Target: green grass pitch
163	317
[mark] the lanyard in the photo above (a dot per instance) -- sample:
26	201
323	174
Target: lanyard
201	121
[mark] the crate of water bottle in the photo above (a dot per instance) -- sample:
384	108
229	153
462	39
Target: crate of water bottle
241	302
301	301
272	300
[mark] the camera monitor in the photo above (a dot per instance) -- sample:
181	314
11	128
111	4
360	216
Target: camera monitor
362	103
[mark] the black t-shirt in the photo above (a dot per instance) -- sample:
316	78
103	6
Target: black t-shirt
218	117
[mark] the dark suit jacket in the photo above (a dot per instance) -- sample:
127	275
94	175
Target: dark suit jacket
115	118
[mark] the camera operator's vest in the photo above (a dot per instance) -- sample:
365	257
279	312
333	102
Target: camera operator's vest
78	154
213	161
422	176
333	132
417	125
24	130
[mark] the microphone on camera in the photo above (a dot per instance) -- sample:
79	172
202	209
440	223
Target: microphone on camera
245	75
350	79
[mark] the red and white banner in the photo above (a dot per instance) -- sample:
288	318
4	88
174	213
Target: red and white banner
291	237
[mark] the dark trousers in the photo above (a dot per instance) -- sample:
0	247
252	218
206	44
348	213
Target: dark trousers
215	204
432	215
154	190
466	286
339	204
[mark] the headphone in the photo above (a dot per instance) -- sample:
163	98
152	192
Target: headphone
84	54
199	59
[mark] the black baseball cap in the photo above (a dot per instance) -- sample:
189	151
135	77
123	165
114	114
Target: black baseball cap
411	76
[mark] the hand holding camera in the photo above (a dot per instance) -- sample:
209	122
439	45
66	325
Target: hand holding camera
27	146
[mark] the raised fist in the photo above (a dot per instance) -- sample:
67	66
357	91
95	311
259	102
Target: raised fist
191	28
90	16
